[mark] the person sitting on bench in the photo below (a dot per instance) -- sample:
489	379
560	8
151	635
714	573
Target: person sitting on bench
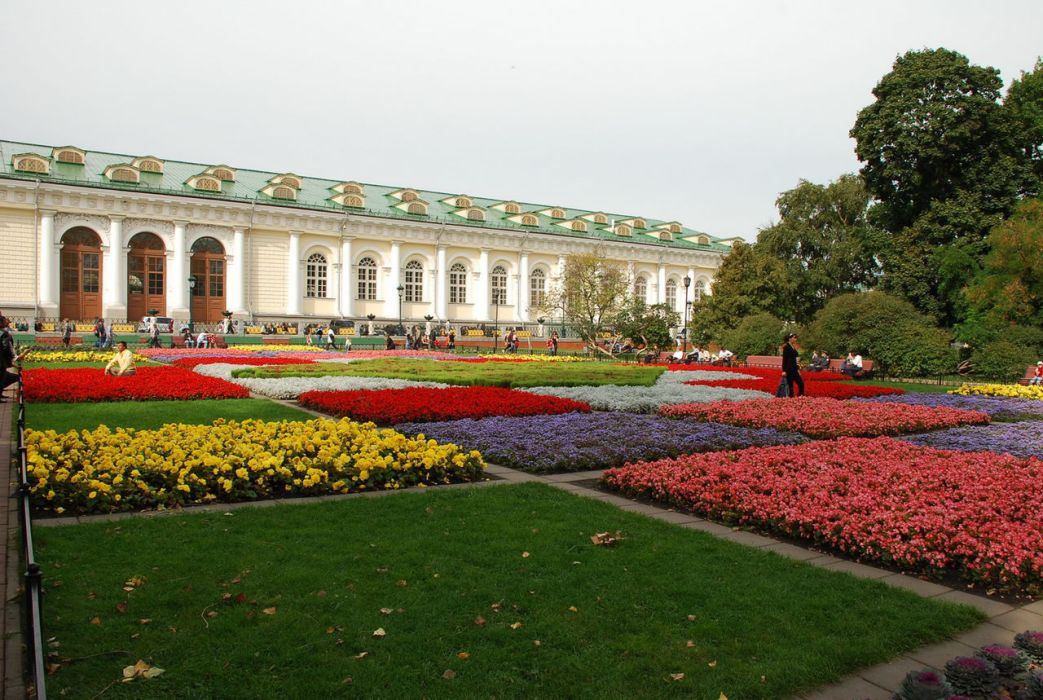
852	365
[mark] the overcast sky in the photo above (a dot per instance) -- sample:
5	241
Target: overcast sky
696	111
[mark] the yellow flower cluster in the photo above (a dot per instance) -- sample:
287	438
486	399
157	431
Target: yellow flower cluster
74	356
277	348
1014	391
103	470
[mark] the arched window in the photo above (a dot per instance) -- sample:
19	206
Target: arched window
476	215
68	155
206	184
123	175
580	226
463	202
288	180
146	270
699	290
351	188
498	288
537	288
417	208
703	240
640	223
530	220
600	219
511	208
675	228
353	201
671	294
623	230
149	165
223	174
284	192
641	289
557	213
32	164
367	279
458	284
315	276
409	196
414	281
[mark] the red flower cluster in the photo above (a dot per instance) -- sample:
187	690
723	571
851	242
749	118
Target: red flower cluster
827	418
920	508
149	384
190	362
762	372
390	406
812	387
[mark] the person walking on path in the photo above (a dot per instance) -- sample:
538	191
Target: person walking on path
66	333
790	367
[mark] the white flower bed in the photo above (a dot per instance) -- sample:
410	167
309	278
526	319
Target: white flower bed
287	388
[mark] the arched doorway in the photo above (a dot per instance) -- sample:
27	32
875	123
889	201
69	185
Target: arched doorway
146	277
80	274
208	267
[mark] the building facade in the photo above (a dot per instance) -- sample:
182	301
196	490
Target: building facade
88	234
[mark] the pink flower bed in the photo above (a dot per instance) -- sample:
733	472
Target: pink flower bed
762	372
190	362
826	417
812	387
979	516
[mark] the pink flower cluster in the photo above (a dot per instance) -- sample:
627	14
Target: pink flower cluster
812	387
190	362
821	417
880	499
762	372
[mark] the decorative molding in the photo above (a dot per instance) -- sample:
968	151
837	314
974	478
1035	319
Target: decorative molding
66	220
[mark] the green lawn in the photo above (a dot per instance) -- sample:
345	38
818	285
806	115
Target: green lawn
911	387
506	374
144	415
484	592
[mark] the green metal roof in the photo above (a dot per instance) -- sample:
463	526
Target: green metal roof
315	193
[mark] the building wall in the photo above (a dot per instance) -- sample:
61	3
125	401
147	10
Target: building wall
266	272
18	243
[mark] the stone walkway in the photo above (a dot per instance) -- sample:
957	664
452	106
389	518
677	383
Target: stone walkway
12	651
876	683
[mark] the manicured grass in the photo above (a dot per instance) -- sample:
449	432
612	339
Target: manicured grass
499	585
503	374
911	387
63	417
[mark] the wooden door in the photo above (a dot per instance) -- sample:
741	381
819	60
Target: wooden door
208	268
146	277
80	275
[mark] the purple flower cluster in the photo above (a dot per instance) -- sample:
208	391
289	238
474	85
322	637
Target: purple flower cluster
578	441
993	405
1019	439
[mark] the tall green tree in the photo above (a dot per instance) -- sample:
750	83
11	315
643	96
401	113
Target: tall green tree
591	292
1024	101
935	130
825	242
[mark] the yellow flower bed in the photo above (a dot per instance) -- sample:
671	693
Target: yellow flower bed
277	348
76	356
101	471
1014	391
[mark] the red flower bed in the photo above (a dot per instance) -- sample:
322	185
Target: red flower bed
390	406
149	384
827	418
762	372
882	499
190	362
832	389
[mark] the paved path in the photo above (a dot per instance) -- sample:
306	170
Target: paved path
12	653
876	683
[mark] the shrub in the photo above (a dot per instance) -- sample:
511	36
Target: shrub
760	334
1002	360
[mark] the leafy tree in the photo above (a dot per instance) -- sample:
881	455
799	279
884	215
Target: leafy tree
936	130
825	242
591	292
885	329
1024	101
647	325
1002	360
760	334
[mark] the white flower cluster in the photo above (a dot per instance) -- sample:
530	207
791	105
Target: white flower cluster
287	388
669	389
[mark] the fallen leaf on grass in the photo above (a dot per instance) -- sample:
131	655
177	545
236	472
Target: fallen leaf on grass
463	656
270	611
573	608
449	674
516	625
525	555
497	607
691	618
677	676
712	664
690	644
479	620
604	539
361	655
386	611
212	614
379	632
535	642
722	697
140	670
321	594
95	620
121	607
401	583
92	595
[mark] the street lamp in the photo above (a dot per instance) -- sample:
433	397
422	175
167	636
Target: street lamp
496	320
192	281
684	333
400	289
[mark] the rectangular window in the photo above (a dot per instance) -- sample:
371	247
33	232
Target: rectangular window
217	278
90	272
155	276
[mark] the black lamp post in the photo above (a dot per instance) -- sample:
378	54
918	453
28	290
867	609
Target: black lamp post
192	281
684	333
496	320
400	289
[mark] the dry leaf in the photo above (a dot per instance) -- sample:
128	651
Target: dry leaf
535	642
479	620
463	656
240	598
347	681
497	607
236	580
321	594
386	611
135	581
53	668
379	632
573	608
712	664
92	595
764	679
212	614
604	539
691	618
449	674
361	655
677	676
95	620
516	625
129	589
525	555
153	672
722	697
121	607
270	611
401	583
690	644
226	597
135	635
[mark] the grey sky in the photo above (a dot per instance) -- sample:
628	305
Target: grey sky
701	112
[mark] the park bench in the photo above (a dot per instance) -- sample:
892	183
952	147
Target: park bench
867	367
769	361
275	341
1030	372
57	340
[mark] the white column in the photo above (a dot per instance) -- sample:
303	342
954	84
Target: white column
661	285
521	309
237	273
442	275
346	294
481	289
293	275
177	275
394	279
114	285
49	259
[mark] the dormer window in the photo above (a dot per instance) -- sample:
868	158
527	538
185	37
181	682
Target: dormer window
31	163
417	207
123	173
222	172
639	223
348	188
290	180
512	208
407	195
530	220
476	214
148	164
675	228
204	183
463	201
284	192
623	230
666	236
703	240
69	154
600	219
353	201
557	213
579	226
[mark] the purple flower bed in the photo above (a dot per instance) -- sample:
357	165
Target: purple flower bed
993	405
1019	439
577	441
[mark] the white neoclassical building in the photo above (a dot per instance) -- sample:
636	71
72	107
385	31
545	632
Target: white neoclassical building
87	234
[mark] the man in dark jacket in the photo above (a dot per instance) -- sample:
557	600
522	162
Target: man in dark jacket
790	367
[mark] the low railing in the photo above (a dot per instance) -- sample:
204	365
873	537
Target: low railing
33	575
